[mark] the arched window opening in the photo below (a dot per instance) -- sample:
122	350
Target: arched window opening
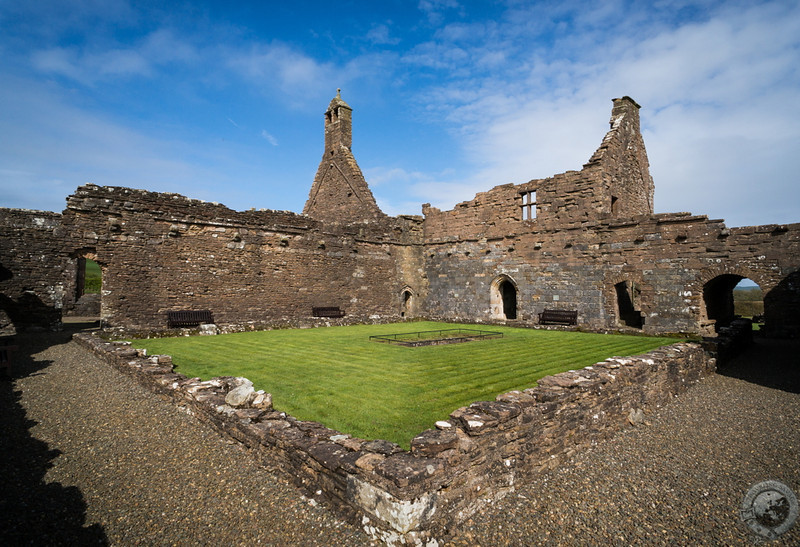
509	294
628	303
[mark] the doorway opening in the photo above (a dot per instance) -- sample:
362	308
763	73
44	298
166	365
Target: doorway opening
730	296
628	303
503	298
406	303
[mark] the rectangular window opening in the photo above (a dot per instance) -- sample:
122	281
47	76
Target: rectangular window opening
528	205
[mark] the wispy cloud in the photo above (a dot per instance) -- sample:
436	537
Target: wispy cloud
269	138
380	34
88	64
435	10
522	90
56	147
280	67
721	88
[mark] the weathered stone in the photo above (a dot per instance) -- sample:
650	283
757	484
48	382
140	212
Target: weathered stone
262	400
404	469
328	454
381	447
501	411
636	416
208	329
432	441
241	396
249	414
369	461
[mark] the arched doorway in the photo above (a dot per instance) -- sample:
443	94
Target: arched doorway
407	302
748	302
503	298
730	296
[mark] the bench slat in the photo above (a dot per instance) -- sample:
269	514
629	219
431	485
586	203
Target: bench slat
566	317
188	318
327	311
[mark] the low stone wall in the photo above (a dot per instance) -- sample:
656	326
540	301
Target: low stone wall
481	452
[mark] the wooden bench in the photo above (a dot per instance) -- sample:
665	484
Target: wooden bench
329	311
188	318
561	317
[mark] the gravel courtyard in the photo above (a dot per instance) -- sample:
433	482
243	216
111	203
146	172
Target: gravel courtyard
92	458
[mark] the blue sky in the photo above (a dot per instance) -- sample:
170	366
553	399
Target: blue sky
224	101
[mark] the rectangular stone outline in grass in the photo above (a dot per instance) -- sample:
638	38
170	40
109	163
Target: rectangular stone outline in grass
435	337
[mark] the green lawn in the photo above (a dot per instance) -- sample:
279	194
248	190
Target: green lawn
371	390
94	275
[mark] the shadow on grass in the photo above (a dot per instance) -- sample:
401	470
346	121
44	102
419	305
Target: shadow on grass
34	511
769	362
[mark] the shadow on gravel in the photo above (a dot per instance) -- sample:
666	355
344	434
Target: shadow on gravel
32	511
769	362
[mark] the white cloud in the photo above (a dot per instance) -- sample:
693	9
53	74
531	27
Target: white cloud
435	10
96	62
721	108
380	34
269	138
279	66
48	148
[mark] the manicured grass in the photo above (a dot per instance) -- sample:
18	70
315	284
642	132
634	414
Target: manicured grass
371	390
93	280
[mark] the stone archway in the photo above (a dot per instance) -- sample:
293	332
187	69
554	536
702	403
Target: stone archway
716	286
503	298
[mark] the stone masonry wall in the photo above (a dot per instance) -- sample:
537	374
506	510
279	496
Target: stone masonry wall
33	266
480	453
670	257
161	252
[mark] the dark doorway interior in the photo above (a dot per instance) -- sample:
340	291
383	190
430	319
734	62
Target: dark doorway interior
509	295
628	295
406	306
718	298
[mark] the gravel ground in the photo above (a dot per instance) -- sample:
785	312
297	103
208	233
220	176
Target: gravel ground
92	458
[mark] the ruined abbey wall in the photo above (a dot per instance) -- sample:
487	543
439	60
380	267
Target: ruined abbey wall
575	241
669	257
583	240
163	252
33	270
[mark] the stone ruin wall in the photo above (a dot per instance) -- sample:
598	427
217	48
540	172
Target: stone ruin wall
670	257
478	454
592	229
161	252
589	230
33	266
